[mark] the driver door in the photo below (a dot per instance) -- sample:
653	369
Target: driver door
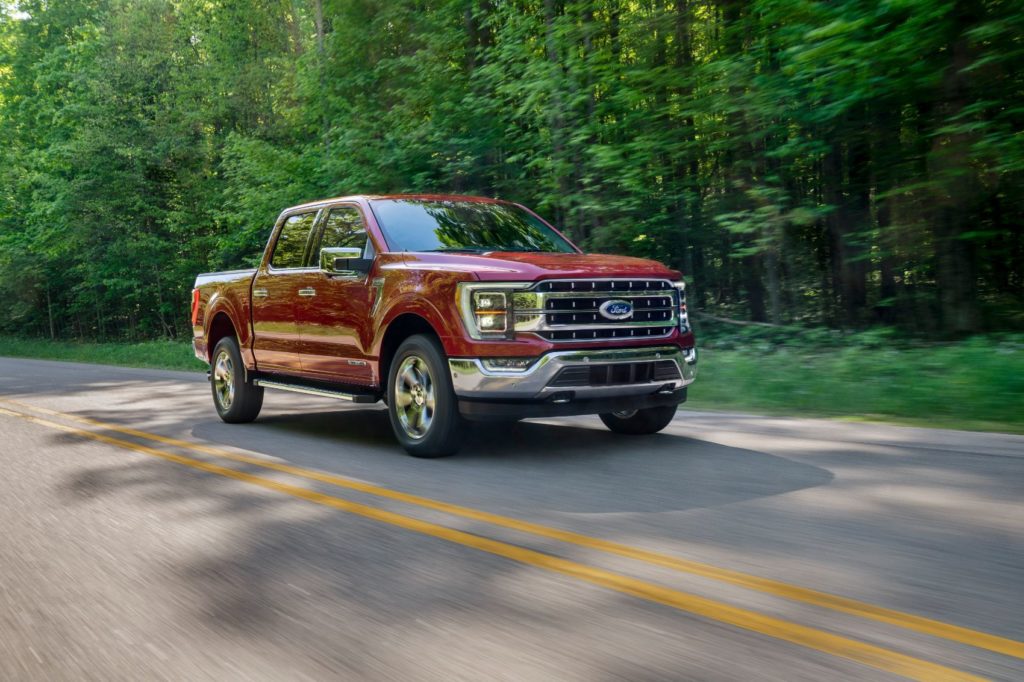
334	322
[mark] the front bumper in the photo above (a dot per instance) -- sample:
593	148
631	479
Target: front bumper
536	391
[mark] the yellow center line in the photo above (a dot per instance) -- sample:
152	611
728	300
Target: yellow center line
928	626
835	645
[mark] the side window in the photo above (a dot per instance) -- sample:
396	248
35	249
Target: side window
291	245
343	227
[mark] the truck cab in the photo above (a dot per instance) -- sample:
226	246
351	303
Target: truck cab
449	309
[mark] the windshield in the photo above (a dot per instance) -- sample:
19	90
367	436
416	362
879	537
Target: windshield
463	226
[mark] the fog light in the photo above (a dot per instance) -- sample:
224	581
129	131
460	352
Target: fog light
513	364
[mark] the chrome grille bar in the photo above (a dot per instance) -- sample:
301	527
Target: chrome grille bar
571	310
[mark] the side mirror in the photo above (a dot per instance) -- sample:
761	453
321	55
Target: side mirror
344	262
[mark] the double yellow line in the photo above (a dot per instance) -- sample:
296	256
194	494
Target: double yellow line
836	645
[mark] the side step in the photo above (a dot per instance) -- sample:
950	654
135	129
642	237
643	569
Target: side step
322	392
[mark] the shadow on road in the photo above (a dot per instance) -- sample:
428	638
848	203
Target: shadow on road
516	469
528	465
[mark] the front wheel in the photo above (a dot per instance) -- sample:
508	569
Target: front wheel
640	422
237	401
421	400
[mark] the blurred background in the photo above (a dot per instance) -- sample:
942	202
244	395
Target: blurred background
839	181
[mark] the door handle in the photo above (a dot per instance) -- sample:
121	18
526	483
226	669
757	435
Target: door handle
260	293
307	292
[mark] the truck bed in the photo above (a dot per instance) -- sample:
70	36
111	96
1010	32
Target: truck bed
234	288
224	277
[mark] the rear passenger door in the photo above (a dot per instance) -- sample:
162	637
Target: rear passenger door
276	292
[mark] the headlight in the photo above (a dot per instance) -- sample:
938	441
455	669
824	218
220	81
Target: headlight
486	309
684	318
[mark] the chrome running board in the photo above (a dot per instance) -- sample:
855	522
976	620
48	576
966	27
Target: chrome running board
321	392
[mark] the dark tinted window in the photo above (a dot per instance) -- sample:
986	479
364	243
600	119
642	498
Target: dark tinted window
343	227
431	225
291	245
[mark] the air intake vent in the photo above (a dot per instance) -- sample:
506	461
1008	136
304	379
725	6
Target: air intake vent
617	374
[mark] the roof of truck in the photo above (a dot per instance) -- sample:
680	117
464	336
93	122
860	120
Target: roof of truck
425	197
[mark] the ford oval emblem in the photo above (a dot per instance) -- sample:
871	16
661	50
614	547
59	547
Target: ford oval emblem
616	309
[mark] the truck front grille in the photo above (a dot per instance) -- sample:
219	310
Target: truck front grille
617	374
592	334
618	286
575	310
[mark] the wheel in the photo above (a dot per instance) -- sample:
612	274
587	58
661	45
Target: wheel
237	401
421	401
639	422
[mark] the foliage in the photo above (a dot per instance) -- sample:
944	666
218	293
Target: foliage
973	384
839	165
153	354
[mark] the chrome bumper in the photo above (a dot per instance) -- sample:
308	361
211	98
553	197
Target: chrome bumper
472	379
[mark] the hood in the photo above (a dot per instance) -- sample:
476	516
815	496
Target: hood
507	265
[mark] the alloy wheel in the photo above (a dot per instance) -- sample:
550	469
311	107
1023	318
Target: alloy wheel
414	396
224	380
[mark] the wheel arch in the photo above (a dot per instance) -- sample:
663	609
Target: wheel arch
399	329
220	327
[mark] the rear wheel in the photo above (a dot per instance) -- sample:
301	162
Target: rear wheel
639	422
421	400
237	401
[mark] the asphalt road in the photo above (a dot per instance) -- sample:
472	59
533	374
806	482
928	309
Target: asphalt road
141	538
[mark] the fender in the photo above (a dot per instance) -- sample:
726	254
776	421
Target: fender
414	302
427	292
237	310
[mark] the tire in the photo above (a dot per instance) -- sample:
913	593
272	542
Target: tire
237	401
421	400
640	422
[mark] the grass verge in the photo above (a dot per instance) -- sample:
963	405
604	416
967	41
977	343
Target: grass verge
153	354
976	384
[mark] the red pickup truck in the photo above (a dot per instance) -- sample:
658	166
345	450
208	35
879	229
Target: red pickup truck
448	308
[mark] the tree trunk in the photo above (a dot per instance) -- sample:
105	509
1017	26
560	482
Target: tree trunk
556	114
955	268
884	158
755	288
849	268
858	218
49	313
771	265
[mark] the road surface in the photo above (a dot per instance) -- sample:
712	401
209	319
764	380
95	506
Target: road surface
141	538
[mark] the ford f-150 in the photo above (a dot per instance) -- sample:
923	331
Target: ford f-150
447	308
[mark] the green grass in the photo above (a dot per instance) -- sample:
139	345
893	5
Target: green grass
155	354
975	384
